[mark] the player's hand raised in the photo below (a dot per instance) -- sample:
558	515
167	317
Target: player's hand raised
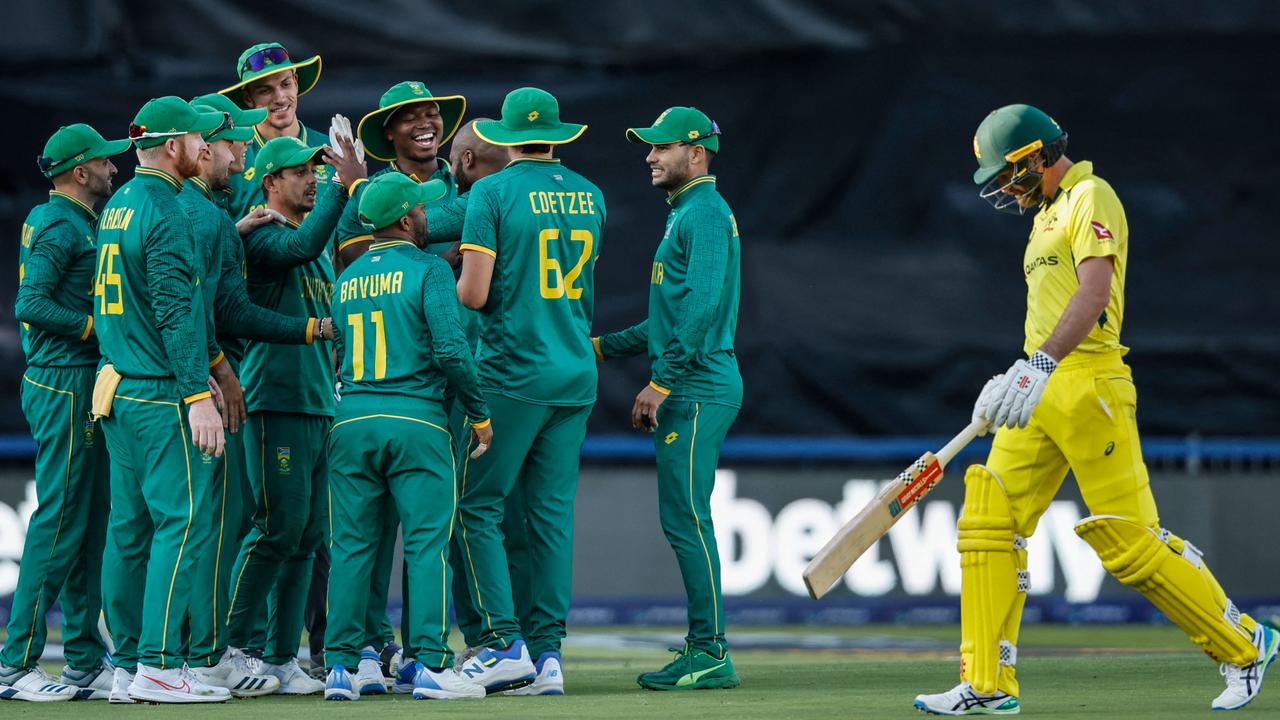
483	437
346	162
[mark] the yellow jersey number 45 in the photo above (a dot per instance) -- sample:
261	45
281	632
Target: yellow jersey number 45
109	284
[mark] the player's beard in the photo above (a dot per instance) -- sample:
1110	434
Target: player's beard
187	163
99	185
674	173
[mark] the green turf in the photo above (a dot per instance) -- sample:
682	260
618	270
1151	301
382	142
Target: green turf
1131	672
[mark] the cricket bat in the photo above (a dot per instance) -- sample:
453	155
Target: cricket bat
873	521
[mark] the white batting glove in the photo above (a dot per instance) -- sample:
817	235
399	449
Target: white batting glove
340	127
980	408
1016	395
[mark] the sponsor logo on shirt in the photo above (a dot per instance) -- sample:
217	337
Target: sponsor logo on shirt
1101	230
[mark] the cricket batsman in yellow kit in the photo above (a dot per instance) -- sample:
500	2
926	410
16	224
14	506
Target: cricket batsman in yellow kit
1071	406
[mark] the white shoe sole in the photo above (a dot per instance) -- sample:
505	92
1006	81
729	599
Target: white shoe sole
9	693
427	694
167	696
118	700
336	694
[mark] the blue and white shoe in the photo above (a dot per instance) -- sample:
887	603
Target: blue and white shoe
369	680
340	685
964	700
446	684
550	679
91	685
498	670
32	685
1244	683
405	675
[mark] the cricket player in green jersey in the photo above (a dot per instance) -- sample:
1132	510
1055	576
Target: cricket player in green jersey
154	393
399	343
530	242
270	80
289	395
229	310
695	390
62	557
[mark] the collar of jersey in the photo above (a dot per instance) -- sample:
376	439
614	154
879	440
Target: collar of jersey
93	216
684	190
302	135
553	161
444	170
1073	175
384	244
150	172
202	186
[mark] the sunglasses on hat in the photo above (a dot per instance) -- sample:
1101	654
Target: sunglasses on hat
46	163
715	130
263	58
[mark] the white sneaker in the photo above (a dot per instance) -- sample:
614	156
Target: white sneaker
499	670
964	700
293	681
176	685
369	679
340	685
550	679
91	685
447	684
232	672
121	679
34	685
1244	683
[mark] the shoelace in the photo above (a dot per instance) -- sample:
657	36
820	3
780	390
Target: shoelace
40	673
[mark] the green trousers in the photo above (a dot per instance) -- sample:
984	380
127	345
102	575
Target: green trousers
378	628
160	487
62	557
288	477
390	454
536	449
228	523
687	442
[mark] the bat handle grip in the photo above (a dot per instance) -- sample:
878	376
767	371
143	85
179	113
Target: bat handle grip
958	443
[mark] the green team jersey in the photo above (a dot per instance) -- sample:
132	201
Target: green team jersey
543	224
247	194
395	309
694	287
55	284
149	300
291	272
350	229
231	313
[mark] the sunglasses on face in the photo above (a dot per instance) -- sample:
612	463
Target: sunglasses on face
263	58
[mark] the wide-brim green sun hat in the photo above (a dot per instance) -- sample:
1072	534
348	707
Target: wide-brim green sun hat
391	196
281	153
530	116
265	59
76	144
371	127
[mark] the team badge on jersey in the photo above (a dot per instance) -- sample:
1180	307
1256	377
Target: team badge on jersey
1100	230
282	459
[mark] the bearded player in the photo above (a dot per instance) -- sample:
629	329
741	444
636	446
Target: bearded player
1071	406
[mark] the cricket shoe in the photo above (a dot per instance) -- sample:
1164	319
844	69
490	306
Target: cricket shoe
1244	683
32	685
692	669
408	670
176	685
121	679
340	685
964	700
392	657
498	670
233	673
369	680
550	679
293	681
93	684
443	684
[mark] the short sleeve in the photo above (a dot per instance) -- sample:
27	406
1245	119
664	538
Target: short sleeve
480	230
1098	225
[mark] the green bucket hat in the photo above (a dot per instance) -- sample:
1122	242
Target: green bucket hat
687	125
391	196
170	116
281	153
1009	134
75	144
529	117
243	120
266	59
376	144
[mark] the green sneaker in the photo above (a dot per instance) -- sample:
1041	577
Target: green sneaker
692	669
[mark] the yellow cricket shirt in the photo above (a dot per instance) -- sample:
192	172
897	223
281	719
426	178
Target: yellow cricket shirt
1085	220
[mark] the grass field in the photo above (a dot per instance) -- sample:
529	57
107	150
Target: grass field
1104	672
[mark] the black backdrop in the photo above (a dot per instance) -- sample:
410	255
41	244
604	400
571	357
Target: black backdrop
878	291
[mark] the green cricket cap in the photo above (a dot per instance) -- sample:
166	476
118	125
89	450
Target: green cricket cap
530	116
370	129
266	59
243	120
281	153
74	144
170	116
1009	134
678	124
227	130
391	196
